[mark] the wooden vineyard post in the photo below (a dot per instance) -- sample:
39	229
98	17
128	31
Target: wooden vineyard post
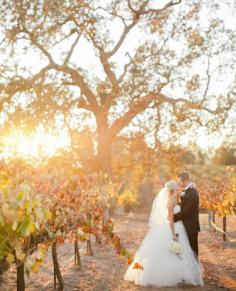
20	278
57	273
210	215
224	228
213	217
89	245
54	278
98	239
77	254
20	273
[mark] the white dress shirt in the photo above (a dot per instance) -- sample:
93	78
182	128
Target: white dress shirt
186	188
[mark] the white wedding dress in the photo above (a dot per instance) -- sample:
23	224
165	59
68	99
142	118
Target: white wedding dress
161	268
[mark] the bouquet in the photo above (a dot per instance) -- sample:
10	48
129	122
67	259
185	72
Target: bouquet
175	247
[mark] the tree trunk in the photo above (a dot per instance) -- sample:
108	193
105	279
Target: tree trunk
104	145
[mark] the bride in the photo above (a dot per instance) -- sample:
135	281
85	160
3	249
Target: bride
161	267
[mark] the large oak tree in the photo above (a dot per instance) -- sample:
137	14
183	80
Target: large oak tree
167	80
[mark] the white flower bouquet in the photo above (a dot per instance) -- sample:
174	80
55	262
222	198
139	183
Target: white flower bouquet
175	247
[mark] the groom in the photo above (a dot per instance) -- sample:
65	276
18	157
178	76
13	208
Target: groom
189	213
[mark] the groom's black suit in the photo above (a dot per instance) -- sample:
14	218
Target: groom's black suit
189	214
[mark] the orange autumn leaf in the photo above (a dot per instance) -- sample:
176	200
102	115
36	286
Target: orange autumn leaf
138	266
129	261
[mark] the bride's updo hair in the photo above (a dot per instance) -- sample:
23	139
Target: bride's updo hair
171	186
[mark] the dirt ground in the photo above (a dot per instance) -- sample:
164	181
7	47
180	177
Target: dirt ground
104	270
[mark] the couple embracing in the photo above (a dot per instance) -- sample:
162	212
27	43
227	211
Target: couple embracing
170	222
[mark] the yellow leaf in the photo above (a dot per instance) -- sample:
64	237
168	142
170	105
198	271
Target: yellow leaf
48	214
14	225
2	220
35	267
20	255
20	215
10	259
19	195
42	247
37	225
30	229
5	209
5	183
26	204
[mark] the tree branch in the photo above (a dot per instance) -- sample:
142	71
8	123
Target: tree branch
168	5
37	44
71	50
127	28
24	84
126	66
80	82
134	110
159	97
110	74
121	40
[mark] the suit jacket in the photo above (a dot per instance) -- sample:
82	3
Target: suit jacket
189	213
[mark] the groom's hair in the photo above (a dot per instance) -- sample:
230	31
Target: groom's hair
185	176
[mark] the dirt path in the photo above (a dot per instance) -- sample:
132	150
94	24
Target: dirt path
218	257
105	270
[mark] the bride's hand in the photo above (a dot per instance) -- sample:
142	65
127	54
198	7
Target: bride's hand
174	236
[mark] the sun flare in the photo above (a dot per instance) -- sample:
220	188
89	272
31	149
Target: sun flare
33	146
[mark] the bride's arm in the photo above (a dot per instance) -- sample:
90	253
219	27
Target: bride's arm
171	216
